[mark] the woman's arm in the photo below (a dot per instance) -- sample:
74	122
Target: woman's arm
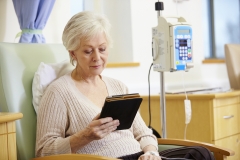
142	133
52	121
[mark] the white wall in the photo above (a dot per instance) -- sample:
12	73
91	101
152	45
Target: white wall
144	17
119	15
9	25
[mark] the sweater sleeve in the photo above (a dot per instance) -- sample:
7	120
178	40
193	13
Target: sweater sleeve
142	133
52	122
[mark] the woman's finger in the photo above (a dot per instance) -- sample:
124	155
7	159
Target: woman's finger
109	129
113	123
99	122
101	131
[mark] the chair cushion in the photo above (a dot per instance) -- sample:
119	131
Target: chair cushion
46	74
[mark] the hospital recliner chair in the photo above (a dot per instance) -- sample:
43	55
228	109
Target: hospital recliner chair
232	57
18	64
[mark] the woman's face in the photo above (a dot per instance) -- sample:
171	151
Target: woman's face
92	56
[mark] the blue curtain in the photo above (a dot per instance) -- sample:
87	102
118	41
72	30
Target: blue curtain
32	17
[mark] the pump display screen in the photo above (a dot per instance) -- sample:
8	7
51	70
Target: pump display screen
183	31
182	42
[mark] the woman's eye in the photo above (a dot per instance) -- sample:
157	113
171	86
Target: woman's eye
88	52
102	49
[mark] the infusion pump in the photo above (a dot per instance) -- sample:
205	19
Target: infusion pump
172	45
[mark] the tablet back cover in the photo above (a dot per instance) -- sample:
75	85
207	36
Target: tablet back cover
124	110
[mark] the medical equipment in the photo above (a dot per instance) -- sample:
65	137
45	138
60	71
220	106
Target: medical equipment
172	45
171	51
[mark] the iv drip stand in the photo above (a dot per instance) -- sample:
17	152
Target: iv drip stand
159	7
163	106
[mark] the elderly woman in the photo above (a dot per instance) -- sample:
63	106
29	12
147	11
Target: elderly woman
68	116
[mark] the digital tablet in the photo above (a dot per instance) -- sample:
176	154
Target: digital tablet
122	107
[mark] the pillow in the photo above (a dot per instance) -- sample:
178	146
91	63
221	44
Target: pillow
46	74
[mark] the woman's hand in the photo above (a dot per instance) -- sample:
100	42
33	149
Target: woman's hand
149	157
99	128
150	153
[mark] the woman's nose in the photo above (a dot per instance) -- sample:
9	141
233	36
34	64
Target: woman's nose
96	56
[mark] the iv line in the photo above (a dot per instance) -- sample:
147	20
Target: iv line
184	86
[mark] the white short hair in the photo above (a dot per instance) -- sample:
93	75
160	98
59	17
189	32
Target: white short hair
85	25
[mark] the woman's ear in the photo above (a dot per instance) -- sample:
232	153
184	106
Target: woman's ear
72	54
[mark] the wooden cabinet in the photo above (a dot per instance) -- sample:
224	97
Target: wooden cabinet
232	142
215	118
8	135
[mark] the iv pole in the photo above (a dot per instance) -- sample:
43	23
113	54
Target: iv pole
163	106
159	7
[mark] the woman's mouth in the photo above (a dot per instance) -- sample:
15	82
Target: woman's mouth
96	66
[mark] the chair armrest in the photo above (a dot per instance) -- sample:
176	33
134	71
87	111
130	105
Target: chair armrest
218	151
74	157
213	148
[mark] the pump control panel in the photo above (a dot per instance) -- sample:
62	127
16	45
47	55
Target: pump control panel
182	46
